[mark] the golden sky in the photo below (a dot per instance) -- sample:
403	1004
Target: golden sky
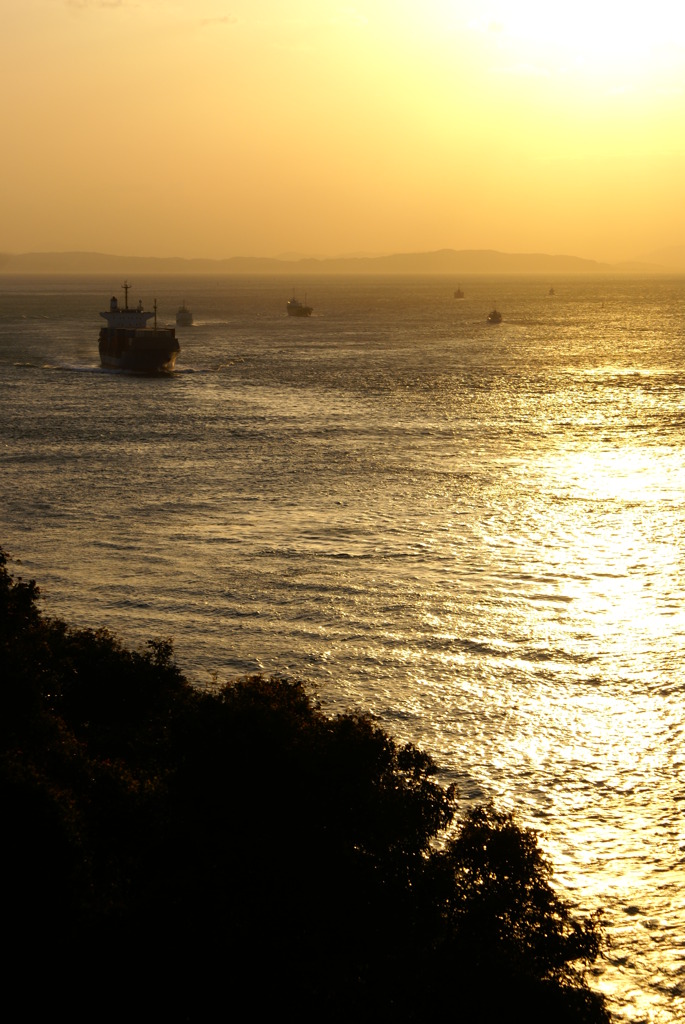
214	128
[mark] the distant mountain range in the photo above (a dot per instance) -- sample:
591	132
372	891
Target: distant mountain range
445	261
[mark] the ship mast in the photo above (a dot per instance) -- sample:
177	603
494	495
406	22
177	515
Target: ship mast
126	287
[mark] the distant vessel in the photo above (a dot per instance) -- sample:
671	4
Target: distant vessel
127	343
551	291
296	308
184	315
458	293
495	317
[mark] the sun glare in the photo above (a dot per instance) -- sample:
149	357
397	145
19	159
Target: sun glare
600	36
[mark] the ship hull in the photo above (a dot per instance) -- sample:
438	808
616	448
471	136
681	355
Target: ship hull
140	351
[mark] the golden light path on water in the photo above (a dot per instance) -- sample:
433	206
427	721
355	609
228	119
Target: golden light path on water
609	592
632	741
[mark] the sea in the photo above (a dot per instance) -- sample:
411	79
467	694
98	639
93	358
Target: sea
473	532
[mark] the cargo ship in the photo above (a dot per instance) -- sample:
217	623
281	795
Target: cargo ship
296	308
184	315
127	343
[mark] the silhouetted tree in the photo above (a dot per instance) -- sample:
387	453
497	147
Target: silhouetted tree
168	851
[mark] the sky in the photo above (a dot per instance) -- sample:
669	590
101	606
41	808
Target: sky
219	128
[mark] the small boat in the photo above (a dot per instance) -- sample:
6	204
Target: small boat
494	317
551	291
458	293
297	308
127	343
184	315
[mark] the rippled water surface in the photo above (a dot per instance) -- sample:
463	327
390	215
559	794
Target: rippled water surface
476	532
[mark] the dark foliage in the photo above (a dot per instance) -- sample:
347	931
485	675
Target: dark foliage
188	854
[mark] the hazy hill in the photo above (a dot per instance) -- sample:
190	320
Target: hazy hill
444	261
672	258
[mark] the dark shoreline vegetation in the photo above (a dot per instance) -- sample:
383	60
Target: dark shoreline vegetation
178	852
